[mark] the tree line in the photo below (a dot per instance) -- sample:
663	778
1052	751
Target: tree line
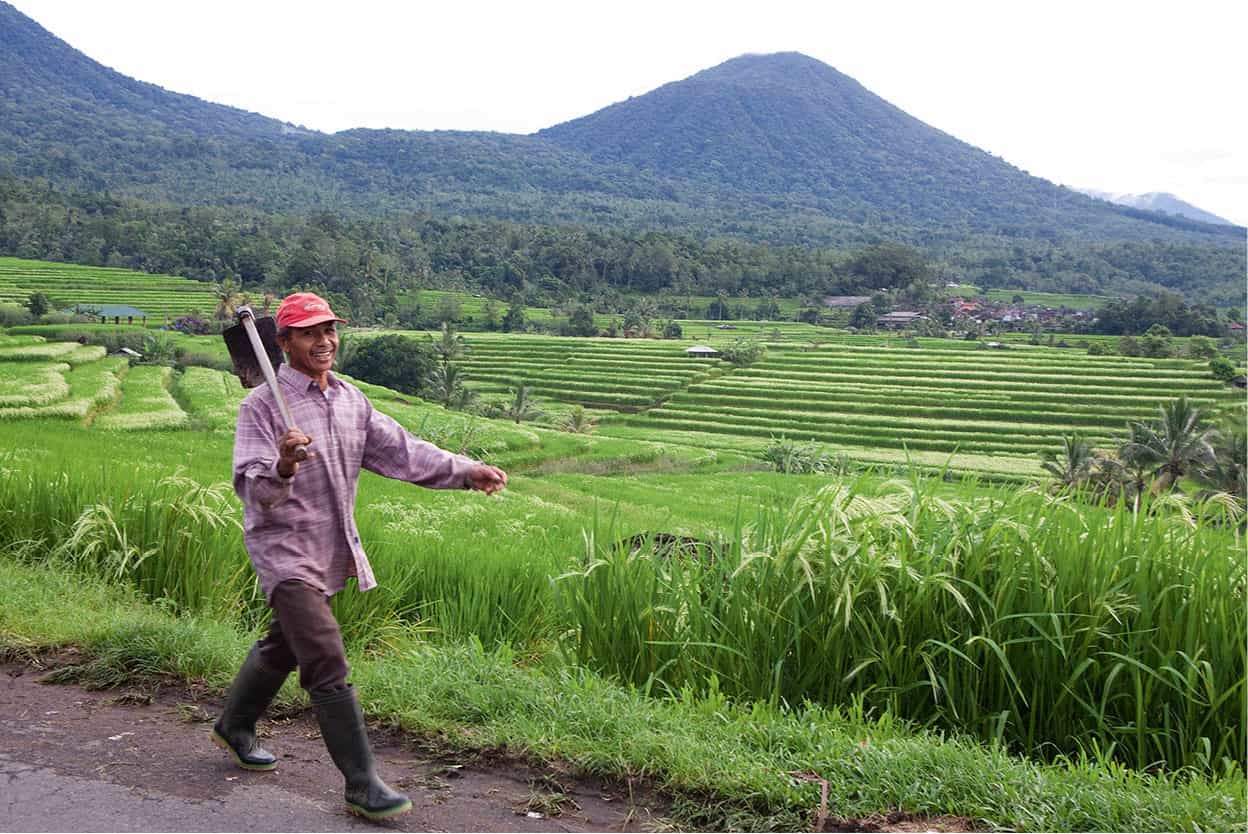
368	262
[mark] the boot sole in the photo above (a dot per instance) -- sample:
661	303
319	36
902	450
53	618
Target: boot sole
374	816
225	745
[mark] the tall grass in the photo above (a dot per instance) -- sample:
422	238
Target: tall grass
1045	625
1037	623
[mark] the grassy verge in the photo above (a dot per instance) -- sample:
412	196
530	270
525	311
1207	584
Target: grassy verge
727	764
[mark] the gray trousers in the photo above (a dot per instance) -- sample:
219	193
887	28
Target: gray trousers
304	633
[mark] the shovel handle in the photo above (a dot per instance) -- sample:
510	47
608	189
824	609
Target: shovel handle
248	319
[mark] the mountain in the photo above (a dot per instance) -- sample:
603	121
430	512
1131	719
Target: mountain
778	149
786	123
1158	201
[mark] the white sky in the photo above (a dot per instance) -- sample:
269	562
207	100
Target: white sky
1118	96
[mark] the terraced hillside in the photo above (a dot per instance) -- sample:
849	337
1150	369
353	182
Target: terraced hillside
71	285
623	374
1015	402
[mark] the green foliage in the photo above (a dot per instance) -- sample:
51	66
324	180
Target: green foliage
1156	342
38	304
1130	346
742	351
446	385
1166	310
513	320
521	406
726	764
888	266
393	361
1026	620
864	317
579	422
807	458
1202	347
1178	442
581	322
1222	368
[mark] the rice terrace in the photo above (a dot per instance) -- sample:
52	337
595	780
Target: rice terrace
855	478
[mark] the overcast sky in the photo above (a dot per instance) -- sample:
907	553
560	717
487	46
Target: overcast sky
1118	96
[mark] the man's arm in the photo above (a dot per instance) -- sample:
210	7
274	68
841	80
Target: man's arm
264	463
392	451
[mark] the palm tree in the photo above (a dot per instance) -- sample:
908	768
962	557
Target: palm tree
1073	464
450	346
1229	471
522	406
578	422
229	297
446	384
1179	442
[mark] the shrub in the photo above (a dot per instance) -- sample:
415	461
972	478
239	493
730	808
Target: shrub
393	361
191	326
11	315
1202	347
38	304
742	351
1222	368
804	459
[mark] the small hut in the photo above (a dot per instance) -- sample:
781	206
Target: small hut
701	352
117	312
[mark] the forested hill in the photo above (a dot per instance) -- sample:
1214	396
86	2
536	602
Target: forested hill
790	128
778	150
48	90
777	147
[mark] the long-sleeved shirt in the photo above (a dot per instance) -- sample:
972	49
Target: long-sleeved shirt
303	527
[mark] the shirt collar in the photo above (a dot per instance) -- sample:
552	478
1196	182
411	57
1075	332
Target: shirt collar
301	381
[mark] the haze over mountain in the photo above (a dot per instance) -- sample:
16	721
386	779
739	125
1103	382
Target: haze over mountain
780	149
1159	201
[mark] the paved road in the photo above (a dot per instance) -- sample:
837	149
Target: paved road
74	760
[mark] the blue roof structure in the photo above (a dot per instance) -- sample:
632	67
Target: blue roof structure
111	310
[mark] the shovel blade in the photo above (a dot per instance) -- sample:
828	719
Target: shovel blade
244	358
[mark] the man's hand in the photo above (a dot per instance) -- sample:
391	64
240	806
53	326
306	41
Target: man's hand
287	463
487	479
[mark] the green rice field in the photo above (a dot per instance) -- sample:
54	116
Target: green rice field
879	398
940	397
69	286
970	645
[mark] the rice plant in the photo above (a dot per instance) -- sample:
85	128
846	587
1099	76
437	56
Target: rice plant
1029	621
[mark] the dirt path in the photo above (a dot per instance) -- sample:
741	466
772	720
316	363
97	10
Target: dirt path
78	760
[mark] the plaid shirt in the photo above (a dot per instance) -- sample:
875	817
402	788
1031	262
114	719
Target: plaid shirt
304	527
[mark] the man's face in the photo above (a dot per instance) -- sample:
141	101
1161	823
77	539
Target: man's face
311	350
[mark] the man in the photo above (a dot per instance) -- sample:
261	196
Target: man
301	535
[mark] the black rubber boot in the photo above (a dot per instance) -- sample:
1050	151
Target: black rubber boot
342	727
253	690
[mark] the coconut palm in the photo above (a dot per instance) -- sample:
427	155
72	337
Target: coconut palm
450	346
578	422
1229	470
229	296
1074	463
522	407
446	385
1178	443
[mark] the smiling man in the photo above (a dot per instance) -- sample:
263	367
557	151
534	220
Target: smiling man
300	532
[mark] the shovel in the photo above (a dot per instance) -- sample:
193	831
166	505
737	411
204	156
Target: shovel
253	348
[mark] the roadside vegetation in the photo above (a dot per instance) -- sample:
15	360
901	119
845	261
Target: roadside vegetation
906	634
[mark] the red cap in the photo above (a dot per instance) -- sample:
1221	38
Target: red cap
304	309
